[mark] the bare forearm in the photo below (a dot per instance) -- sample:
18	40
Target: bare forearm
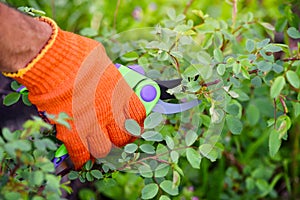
22	37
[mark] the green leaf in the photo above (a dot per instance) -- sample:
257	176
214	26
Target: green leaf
236	67
293	78
245	73
262	185
264	66
152	136
145	171
267	26
37	178
46	166
89	176
218	55
23	145
233	109
296	106
133	127
88	32
153	120
96	173
163	56
12	195
62	119
190	137
171	14
256	81
250	45
221	69
130	148
9	136
162	152
1	154
164	197
150	191
38	198
277	68
161	170
281	24
277	86
274	142
88	165
147	148
263	43
143	61
167	186
193	157
250	183
283	124
15	85
49	144
73	175
209	151
170	142
11	98
174	156
234	124
293	33
252	114
86	194
130	56
26	100
273	48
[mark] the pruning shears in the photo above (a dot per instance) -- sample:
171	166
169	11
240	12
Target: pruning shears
150	92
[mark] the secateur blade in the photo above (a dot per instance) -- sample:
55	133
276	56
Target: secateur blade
165	85
171	108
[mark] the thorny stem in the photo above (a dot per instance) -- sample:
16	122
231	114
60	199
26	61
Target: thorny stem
116	13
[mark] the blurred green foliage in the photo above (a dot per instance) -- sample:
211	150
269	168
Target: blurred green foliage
253	50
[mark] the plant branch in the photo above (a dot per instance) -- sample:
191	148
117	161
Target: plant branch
295	165
116	13
188	5
290	59
275	112
177	65
234	12
53	9
285	109
230	157
211	83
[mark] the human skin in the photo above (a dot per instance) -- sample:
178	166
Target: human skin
21	38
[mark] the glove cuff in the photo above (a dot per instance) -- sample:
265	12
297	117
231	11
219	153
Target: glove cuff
58	61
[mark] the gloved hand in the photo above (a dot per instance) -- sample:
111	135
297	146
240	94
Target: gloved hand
73	74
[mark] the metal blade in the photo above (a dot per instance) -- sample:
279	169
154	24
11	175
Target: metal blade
171	108
170	83
165	85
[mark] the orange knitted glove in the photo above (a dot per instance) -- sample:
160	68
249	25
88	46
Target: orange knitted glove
73	74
